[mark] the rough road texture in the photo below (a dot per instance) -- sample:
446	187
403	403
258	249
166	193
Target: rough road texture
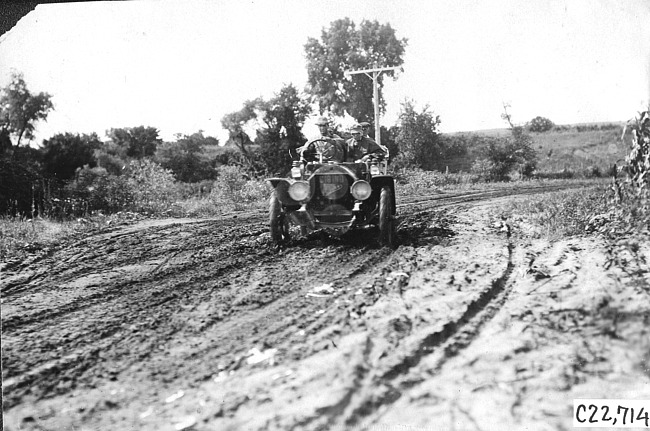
205	325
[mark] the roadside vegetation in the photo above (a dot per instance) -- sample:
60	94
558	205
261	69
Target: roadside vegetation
618	210
75	182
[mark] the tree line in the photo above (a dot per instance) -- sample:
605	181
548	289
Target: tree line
73	168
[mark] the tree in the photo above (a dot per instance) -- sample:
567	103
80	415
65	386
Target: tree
417	137
64	153
345	47
540	125
284	116
278	125
20	182
186	159
235	122
138	142
20	109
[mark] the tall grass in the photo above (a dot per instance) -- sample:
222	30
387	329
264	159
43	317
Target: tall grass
19	237
557	214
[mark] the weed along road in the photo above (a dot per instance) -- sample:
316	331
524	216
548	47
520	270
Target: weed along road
470	323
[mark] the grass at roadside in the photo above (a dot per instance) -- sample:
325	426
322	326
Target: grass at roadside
558	214
20	237
415	182
17	237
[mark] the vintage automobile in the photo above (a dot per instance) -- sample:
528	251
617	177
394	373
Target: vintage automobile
334	197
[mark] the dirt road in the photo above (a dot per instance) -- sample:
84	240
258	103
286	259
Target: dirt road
469	324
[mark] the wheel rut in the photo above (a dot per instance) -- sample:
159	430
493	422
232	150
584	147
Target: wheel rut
175	305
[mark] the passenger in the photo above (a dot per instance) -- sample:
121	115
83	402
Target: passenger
365	129
327	143
360	147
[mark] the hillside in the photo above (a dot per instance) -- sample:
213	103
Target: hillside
583	149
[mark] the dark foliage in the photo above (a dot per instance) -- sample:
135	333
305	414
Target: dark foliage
136	142
64	153
186	158
540	125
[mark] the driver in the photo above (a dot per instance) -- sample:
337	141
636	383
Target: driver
359	147
329	144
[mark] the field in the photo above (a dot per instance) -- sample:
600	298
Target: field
578	148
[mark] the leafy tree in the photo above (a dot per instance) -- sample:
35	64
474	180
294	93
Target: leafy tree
111	157
235	122
417	137
344	46
64	153
186	159
20	182
540	125
278	124
137	142
283	118
20	109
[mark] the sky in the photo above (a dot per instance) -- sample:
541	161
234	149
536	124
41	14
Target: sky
180	66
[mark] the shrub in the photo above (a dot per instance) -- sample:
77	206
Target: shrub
627	224
540	125
502	157
145	187
233	188
93	190
153	188
186	159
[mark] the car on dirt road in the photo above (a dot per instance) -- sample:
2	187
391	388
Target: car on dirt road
334	197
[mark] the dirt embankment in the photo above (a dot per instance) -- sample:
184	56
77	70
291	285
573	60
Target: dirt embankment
468	324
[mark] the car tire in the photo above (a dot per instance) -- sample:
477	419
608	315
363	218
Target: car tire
387	235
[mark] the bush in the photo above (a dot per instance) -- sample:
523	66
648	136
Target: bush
145	187
540	125
186	159
627	224
502	157
233	188
93	190
153	188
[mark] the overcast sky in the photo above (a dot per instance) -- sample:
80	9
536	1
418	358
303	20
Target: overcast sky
180	66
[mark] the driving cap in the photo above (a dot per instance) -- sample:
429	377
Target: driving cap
364	124
355	128
322	121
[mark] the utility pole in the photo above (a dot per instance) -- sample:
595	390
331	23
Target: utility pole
373	74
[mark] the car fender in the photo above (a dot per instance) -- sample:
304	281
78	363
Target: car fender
281	186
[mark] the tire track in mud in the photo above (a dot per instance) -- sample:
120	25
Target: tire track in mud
114	291
444	343
359	407
55	322
196	276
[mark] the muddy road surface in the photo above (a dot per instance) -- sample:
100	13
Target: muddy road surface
470	324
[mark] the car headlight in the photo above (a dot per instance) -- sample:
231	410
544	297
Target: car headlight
299	190
361	190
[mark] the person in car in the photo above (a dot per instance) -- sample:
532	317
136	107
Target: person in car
360	147
365	129
327	143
